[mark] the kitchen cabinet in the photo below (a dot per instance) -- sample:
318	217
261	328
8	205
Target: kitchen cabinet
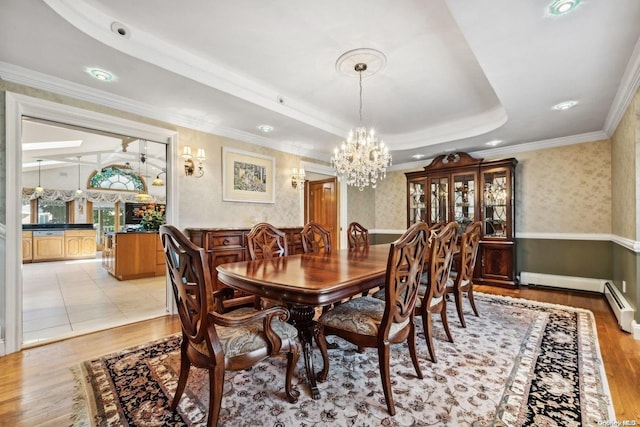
80	244
48	245
27	246
458	187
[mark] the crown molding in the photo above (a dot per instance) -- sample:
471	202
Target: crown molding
34	79
514	149
628	88
146	47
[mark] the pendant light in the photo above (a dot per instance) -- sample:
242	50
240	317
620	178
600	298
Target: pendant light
142	196
39	191
79	190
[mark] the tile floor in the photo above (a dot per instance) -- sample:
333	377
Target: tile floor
66	298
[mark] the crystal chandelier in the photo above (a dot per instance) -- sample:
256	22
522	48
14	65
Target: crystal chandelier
361	159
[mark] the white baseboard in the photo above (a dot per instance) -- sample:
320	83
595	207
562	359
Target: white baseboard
3	351
565	282
635	327
620	306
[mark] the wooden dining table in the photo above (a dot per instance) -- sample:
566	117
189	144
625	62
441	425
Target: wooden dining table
304	282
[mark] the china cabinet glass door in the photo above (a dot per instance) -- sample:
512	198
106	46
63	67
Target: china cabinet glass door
417	205
464	199
496	203
439	200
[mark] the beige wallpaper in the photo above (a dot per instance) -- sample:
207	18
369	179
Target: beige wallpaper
625	175
200	200
361	207
391	202
558	190
564	189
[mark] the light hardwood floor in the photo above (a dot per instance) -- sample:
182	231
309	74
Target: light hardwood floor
36	385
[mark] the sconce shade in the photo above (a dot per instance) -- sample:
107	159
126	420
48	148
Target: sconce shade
189	165
298	178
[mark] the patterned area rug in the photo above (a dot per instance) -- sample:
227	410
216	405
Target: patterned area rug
520	363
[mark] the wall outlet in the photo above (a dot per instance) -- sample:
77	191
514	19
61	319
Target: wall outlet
624	286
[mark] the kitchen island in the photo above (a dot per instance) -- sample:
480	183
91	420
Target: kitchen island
133	255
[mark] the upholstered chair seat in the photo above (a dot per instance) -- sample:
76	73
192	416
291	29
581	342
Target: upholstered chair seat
361	316
240	340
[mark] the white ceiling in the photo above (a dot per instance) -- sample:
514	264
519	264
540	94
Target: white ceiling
458	73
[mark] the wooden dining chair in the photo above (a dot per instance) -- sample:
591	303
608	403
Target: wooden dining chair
357	236
371	322
215	341
461	281
432	290
315	238
266	241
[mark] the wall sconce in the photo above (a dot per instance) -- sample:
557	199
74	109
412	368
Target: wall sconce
297	178
189	166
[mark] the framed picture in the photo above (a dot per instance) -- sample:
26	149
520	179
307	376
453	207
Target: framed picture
247	177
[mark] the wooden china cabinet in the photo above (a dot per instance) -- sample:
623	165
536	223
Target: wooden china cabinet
458	187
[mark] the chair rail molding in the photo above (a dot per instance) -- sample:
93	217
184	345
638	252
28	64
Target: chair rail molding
632	245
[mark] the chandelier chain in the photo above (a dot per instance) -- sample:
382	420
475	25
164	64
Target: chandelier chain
360	110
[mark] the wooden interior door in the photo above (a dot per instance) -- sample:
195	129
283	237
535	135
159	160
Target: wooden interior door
322	206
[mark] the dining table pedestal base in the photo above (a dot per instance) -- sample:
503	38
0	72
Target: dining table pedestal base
301	316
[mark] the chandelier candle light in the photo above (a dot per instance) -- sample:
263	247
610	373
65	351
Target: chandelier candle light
361	159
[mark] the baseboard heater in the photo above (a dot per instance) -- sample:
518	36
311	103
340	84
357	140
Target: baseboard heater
622	309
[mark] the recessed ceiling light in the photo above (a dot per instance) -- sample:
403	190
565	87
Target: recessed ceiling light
265	128
418	156
565	105
562	7
494	142
98	74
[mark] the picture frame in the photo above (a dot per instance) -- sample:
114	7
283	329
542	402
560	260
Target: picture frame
247	177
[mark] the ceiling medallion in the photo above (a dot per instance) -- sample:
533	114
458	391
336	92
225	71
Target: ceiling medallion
374	61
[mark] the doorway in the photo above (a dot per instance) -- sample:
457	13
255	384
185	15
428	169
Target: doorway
321	206
17	107
63	296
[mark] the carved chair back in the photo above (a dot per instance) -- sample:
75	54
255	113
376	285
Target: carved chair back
266	241
315	238
357	235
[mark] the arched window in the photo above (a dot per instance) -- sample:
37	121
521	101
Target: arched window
117	177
